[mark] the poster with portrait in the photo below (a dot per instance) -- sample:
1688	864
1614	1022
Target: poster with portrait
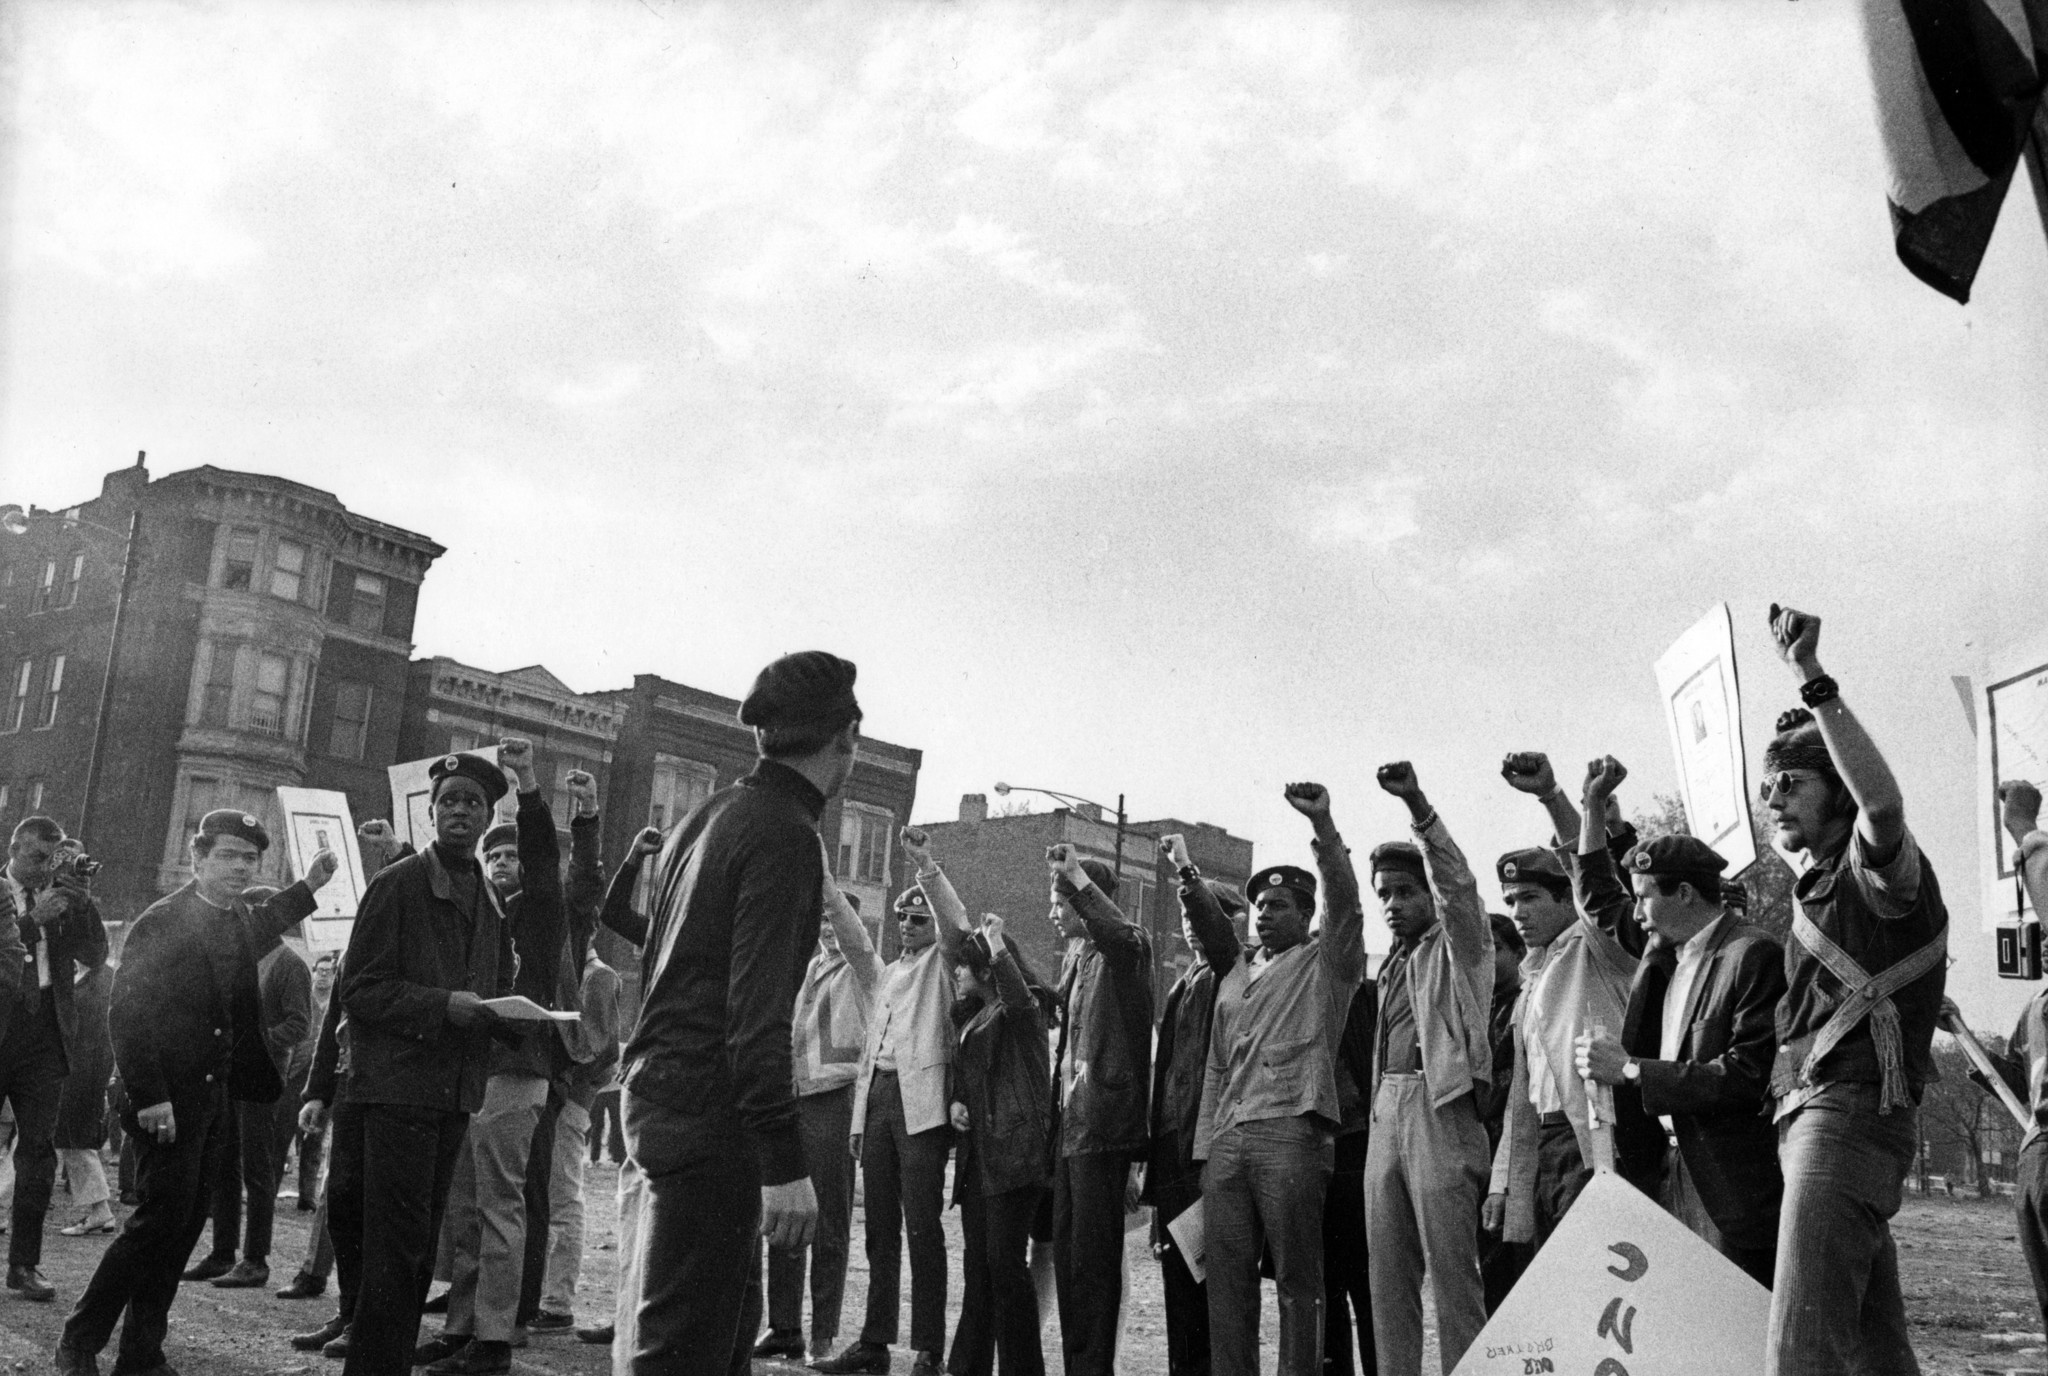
1703	709
412	790
2012	744
317	819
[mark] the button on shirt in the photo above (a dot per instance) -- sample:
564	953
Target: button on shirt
31	933
1400	1044
1544	1090
1691	957
897	1002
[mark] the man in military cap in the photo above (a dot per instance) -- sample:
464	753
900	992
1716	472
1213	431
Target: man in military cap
1425	1162
1697	1043
1270	1106
1575	977
431	943
709	1097
187	1031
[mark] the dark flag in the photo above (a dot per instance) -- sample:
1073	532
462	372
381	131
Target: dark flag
1959	103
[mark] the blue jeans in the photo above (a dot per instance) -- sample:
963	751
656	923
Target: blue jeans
1836	1306
1263	1191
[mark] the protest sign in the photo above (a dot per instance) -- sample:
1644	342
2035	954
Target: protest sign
412	788
1703	709
2012	745
1624	1287
317	819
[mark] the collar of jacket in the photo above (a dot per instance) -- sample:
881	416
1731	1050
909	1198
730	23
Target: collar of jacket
777	777
444	888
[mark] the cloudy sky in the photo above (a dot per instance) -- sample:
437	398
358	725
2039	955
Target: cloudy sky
1173	399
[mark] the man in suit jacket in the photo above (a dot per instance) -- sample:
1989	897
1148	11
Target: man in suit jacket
187	1030
49	924
1698	1040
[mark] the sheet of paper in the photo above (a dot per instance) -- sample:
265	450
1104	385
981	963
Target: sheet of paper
519	1008
1187	1234
1703	709
317	819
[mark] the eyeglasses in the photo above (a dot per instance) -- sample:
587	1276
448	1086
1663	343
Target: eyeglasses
1782	781
913	918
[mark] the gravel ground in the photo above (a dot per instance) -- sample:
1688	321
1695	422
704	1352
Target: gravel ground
1967	1293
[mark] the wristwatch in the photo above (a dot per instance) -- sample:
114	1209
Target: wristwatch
1631	1072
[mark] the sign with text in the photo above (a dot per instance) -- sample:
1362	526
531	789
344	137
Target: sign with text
1703	709
412	789
1623	1287
2012	745
317	819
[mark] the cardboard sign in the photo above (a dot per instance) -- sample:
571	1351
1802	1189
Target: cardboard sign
412	789
1623	1287
1703	709
317	819
2012	743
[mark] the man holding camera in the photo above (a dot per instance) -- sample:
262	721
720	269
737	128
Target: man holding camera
51	924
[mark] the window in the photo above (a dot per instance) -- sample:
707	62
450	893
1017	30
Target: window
864	836
240	567
220	686
35	795
70	598
53	688
288	572
679	786
460	741
366	608
46	587
351	720
6	796
266	705
17	702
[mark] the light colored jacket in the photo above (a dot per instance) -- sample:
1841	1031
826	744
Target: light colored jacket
1450	976
924	1058
830	1029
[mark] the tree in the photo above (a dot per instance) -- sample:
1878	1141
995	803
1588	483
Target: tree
1769	881
1959	1114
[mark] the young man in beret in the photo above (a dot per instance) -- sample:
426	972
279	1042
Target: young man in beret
1270	1105
1100	1093
1425	1163
1697	1044
901	1134
1576	976
431	943
1863	971
710	1097
186	1025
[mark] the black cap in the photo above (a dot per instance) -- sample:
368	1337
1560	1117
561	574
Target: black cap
1397	855
1532	866
228	822
810	687
503	834
475	768
1676	857
1291	877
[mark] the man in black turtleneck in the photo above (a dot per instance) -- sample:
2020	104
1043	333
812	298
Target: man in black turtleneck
430	944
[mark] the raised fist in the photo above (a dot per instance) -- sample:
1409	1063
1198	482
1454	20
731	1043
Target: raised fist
1797	635
647	842
1174	847
917	844
1399	779
1310	800
322	869
582	787
515	757
379	843
1529	771
992	928
2019	808
1063	859
1603	776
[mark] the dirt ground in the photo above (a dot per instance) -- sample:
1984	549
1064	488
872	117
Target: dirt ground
1967	1294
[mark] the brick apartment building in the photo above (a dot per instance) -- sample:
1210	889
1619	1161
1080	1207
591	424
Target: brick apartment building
997	864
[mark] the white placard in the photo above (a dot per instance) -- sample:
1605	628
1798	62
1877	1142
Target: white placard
2012	743
1703	708
1189	1233
412	789
317	819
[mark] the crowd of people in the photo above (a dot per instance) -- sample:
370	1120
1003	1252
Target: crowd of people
1286	1114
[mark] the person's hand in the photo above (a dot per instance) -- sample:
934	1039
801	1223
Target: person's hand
789	1213
1600	1058
515	757
313	1116
1797	636
1493	1214
1310	800
379	843
1175	848
992	929
466	1010
158	1123
958	1114
325	863
582	786
2019	808
50	907
1950	1015
1603	776
1134	1187
917	847
647	842
853	1145
1065	861
1529	771
1399	779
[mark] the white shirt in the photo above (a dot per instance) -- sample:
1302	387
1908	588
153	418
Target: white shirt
23	901
1544	1091
896	1005
1691	957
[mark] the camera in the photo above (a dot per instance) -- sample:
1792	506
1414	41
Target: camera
78	865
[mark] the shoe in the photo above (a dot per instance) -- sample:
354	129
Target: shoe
927	1364
780	1342
481	1357
321	1336
437	1305
98	1219
30	1282
209	1267
337	1349
600	1336
434	1349
247	1275
73	1362
306	1205
548	1321
304	1287
858	1359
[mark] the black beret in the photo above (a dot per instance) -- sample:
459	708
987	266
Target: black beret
1532	866
912	900
800	690
1675	857
1290	877
503	834
475	768
228	822
1397	855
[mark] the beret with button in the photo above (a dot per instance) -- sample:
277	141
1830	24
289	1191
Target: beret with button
1675	857
1291	877
228	821
1532	866
475	768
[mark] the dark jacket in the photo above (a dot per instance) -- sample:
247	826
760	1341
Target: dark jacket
186	1014
1172	1175
1105	1027
735	920
327	1079
78	936
1714	1088
538	915
285	989
1004	1077
413	945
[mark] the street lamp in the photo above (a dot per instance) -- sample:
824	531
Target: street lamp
1004	790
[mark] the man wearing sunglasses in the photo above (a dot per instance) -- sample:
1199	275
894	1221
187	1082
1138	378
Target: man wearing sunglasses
1864	972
